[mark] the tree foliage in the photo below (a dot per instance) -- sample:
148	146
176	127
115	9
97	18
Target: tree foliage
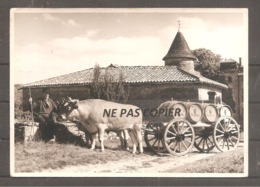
208	63
109	87
19	114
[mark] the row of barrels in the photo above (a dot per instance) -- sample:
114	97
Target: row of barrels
195	112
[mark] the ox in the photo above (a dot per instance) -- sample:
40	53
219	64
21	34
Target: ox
123	136
98	116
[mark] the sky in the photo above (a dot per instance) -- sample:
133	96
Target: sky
48	43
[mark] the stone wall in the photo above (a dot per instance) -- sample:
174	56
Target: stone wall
233	96
150	96
65	132
145	95
203	93
142	95
240	98
26	132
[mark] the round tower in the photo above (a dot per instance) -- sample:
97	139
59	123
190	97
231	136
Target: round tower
180	55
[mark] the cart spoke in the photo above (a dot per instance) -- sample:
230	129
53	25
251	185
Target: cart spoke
210	141
162	143
175	148
200	141
187	141
220	141
221	135
184	145
171	133
234	137
228	122
185	127
150	132
170	144
151	139
203	145
207	143
231	142
155	142
219	131
223	144
188	135
234	132
222	127
232	127
227	144
178	126
188	128
170	138
158	147
174	129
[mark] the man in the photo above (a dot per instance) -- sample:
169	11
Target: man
43	110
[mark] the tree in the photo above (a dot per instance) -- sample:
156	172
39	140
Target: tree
19	114
208	63
96	83
108	86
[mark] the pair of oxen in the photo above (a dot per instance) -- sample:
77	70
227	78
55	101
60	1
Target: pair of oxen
99	116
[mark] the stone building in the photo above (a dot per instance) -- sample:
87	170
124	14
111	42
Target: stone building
231	74
149	85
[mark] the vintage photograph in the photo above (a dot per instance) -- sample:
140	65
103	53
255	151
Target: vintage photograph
129	92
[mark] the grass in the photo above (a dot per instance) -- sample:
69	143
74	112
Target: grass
39	156
227	162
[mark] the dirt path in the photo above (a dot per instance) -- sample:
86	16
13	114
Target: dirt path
139	164
136	164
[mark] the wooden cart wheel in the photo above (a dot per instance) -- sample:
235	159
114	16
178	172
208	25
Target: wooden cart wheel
204	140
153	137
226	134
179	137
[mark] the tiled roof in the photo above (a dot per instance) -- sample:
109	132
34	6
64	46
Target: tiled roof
228	61
179	48
132	74
228	65
207	81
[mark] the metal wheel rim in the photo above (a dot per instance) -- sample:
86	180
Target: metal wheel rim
153	137
179	137
204	140
226	134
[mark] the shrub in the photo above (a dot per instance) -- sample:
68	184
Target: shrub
22	116
19	114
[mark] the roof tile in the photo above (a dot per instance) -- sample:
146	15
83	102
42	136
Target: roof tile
132	74
179	48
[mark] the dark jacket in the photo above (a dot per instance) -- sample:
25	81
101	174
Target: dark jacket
44	107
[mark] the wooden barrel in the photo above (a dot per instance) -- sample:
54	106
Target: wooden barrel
180	111
195	112
210	112
178	108
225	111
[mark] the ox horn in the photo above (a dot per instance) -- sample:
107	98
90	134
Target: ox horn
76	105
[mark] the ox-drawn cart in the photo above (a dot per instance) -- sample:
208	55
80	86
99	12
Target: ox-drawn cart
204	125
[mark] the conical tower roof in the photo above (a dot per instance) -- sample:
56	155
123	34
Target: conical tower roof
179	49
